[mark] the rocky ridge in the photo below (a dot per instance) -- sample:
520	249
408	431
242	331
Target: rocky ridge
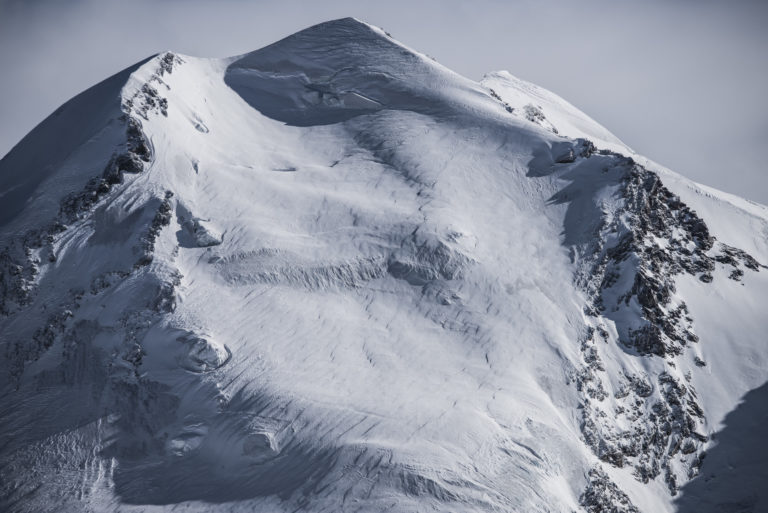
20	262
629	268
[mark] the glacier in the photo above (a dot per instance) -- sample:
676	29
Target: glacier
334	275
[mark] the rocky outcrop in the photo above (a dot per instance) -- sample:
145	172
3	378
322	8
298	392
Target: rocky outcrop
21	259
664	422
641	247
498	98
603	496
652	424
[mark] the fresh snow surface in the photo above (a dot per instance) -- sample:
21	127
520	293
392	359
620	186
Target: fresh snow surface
343	280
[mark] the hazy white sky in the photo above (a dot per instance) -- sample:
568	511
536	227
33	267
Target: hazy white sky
681	81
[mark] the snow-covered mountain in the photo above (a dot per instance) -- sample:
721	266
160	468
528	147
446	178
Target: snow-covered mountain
333	275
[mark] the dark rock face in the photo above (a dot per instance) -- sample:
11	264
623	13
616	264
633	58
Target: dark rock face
533	113
498	98
161	219
603	496
663	422
662	238
17	270
148	99
657	238
640	245
21	259
17	266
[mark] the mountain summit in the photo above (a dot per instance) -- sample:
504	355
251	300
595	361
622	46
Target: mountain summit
333	275
338	70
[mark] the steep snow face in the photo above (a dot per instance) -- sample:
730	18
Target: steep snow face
332	274
342	69
548	110
78	137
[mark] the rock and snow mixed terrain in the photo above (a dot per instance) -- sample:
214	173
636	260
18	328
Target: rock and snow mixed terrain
333	275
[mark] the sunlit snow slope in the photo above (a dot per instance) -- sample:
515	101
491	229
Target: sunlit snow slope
333	275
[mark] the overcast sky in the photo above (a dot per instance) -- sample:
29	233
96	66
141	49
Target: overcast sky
683	82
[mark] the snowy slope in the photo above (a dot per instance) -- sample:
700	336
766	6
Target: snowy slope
332	274
542	107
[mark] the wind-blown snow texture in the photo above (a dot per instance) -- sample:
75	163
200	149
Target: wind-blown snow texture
333	275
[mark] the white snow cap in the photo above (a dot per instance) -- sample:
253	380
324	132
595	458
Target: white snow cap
332	274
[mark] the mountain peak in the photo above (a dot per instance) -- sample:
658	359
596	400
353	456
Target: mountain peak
332	272
348	24
333	71
348	33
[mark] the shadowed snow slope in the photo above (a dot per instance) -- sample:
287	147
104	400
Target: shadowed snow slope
735	476
333	275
